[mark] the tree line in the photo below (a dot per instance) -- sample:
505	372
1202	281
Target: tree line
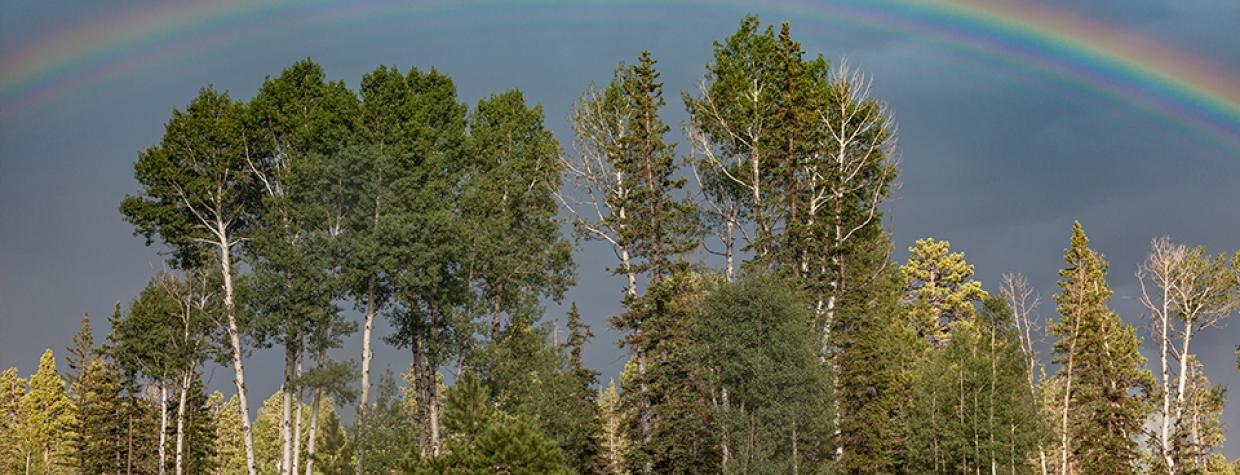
768	327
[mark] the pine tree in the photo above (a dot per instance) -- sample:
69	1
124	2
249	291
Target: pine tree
388	440
875	354
940	292
1106	385
47	417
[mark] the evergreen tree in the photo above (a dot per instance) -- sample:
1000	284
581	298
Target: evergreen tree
388	440
939	291
229	458
507	445
99	428
875	355
673	436
612	437
47	417
12	389
1106	385
83	351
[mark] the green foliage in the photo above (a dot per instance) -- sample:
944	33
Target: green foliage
1109	384
100	425
763	372
939	290
508	445
195	180
229	458
612	438
972	408
468	410
670	433
47	417
388	440
12	389
875	356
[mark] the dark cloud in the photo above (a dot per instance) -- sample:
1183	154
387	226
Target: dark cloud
997	157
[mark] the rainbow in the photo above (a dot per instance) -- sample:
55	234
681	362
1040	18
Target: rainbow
1182	88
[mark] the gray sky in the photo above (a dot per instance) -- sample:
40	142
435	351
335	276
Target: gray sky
997	157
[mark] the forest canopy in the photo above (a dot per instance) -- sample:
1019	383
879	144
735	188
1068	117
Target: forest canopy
767	327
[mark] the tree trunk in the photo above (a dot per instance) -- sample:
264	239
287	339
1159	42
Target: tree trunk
163	426
182	401
286	414
314	429
234	340
1165	428
367	355
1064	440
295	469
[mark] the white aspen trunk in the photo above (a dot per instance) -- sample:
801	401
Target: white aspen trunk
1183	379
1064	440
729	246
234	340
314	430
367	355
1165	429
180	443
163	426
294	469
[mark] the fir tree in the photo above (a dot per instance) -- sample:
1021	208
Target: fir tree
1106	385
100	428
83	351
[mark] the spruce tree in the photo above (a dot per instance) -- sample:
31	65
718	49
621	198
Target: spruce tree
1106	384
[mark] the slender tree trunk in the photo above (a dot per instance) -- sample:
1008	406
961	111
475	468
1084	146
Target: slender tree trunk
314	429
433	389
180	443
367	355
1064	439
1165	428
729	245
163	426
286	414
295	469
234	340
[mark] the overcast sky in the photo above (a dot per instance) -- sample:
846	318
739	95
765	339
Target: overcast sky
997	157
